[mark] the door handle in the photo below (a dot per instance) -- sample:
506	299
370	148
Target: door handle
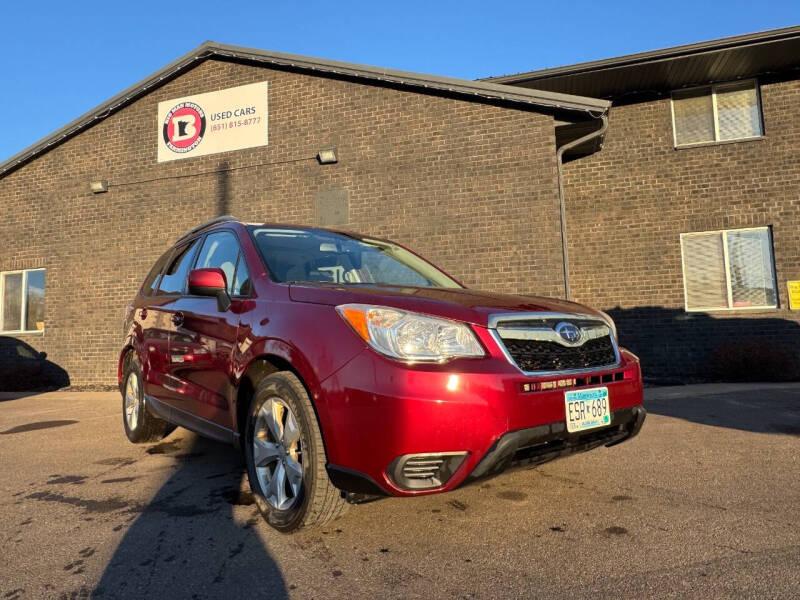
143	313
177	319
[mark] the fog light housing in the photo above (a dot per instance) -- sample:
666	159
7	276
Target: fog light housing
424	471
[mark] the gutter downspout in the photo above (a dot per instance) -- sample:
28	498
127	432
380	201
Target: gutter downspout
561	203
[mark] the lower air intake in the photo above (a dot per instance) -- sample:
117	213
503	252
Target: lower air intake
424	471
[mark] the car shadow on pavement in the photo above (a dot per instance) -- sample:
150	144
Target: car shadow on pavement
766	408
198	537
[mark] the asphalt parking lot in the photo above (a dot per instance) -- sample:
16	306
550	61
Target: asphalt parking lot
704	503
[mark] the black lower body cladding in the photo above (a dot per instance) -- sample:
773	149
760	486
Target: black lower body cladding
538	445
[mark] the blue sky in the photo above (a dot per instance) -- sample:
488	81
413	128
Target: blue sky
60	59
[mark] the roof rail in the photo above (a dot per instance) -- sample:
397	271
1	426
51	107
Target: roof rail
214	221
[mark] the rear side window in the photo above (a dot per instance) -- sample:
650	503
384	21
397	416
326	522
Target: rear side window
149	283
174	279
221	250
241	283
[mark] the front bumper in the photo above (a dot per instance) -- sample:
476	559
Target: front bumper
533	446
544	443
374	410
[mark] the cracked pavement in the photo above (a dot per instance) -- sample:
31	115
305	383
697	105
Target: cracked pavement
704	503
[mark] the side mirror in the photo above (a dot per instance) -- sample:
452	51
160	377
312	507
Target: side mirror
42	355
210	282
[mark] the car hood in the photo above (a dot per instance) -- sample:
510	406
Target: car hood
471	306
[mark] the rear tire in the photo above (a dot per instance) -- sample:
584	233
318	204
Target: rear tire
140	426
286	457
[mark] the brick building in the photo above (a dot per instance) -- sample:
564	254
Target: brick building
683	226
463	172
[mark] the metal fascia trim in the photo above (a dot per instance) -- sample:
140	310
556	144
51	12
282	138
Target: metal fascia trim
495	319
546	334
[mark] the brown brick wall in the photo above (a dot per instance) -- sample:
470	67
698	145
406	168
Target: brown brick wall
628	204
470	185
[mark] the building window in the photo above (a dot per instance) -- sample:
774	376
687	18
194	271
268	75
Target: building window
728	270
22	301
717	113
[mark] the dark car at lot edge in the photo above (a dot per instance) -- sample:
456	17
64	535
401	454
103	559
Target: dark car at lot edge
347	368
25	369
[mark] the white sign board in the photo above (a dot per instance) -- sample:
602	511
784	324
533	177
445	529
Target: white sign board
203	124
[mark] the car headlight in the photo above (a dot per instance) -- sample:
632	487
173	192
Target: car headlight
611	323
410	336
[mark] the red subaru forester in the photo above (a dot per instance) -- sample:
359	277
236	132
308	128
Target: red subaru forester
347	368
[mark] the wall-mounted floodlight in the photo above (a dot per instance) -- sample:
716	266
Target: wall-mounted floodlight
328	156
99	187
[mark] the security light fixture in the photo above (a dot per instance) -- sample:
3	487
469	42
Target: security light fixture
328	156
99	187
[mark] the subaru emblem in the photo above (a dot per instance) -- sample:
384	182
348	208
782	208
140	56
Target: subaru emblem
570	333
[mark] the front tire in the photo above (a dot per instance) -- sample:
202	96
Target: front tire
286	457
140	426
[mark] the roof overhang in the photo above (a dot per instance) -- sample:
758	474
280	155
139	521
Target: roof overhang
580	107
660	71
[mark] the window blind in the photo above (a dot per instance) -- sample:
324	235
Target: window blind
12	302
750	268
737	111
694	117
704	271
729	269
716	113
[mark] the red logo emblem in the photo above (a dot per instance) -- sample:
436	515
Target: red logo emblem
184	127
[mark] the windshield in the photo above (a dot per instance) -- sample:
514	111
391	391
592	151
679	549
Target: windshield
323	256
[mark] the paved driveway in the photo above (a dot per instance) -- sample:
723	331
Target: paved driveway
704	503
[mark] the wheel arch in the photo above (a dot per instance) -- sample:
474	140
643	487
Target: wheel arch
123	355
257	369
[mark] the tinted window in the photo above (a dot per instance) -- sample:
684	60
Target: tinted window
379	266
241	285
150	281
220	251
174	279
330	257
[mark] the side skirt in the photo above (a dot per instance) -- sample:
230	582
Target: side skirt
191	422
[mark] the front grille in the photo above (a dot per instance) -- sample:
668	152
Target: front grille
537	355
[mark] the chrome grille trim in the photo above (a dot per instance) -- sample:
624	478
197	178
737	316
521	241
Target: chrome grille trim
496	321
546	334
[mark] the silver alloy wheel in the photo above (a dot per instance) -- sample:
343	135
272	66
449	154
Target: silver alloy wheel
277	453
132	401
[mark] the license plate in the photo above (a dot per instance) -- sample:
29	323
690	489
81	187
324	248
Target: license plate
587	409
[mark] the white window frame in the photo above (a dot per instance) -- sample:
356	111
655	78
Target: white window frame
727	265
24	308
713	89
